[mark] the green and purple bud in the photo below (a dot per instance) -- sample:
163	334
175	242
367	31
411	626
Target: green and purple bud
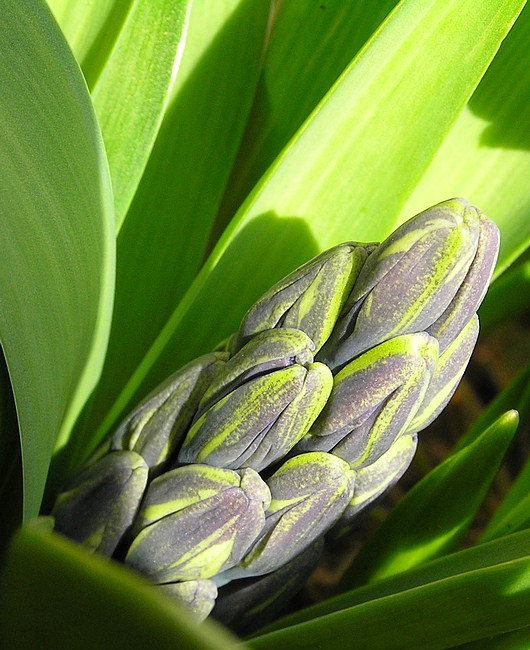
248	604
309	299
98	508
374	399
261	419
309	494
375	480
196	597
446	377
197	520
409	281
157	426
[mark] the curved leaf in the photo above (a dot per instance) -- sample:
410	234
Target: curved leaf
57	238
76	600
434	516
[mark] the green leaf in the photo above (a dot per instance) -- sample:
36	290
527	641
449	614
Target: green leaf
77	600
461	608
434	516
319	41
507	549
91	29
162	242
332	182
486	156
131	92
57	238
514	640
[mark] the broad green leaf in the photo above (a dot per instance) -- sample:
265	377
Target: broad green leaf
486	155
507	549
57	237
131	92
319	41
91	29
161	245
345	175
56	595
462	608
505	298
434	516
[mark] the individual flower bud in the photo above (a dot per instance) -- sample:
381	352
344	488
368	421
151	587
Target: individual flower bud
156	427
196	597
446	377
375	480
374	399
248	604
197	520
309	494
408	281
267	351
309	299
260	420
99	506
472	290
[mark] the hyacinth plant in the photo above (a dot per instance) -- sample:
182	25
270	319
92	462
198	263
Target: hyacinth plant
164	165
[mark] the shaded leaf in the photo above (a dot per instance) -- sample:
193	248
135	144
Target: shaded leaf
83	601
57	239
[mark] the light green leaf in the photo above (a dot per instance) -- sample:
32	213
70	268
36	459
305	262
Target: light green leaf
76	600
345	175
91	29
461	608
434	516
486	155
507	549
57	238
319	41
130	94
161	245
505	298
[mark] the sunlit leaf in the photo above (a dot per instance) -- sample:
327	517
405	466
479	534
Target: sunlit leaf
57	238
345	175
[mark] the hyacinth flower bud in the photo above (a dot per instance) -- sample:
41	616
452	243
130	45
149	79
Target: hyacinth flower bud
248	604
309	299
408	281
374	399
446	377
197	597
99	506
260	420
472	290
197	520
375	480
156	427
309	494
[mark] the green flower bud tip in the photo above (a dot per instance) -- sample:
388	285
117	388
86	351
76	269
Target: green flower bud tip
375	480
249	604
197	520
259	421
309	494
196	597
309	299
99	506
374	399
408	281
446	377
156	427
